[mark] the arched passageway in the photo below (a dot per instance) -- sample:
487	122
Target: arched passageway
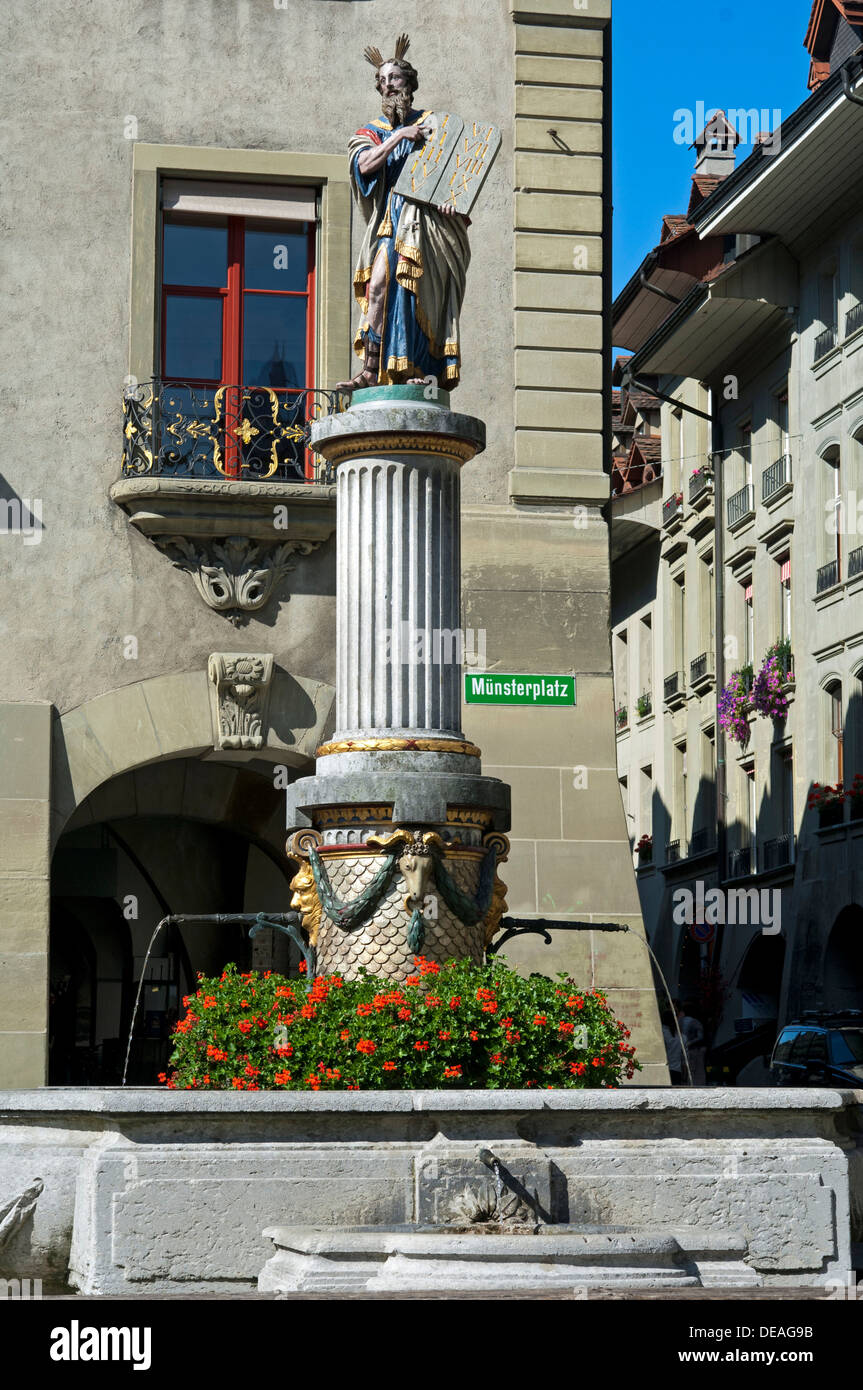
183	835
843	961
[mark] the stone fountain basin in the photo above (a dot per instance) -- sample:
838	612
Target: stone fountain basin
508	1256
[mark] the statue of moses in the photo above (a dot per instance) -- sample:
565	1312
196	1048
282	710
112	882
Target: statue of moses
410	277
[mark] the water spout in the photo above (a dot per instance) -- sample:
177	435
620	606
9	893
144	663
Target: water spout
493	1162
287	922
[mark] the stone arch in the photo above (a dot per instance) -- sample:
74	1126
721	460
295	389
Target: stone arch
155	809
759	981
843	960
175	716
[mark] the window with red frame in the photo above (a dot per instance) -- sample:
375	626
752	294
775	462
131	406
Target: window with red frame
237	342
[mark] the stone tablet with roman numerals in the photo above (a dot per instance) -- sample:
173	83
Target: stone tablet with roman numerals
452	165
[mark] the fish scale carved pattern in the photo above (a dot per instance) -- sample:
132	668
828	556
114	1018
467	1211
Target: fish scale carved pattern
381	944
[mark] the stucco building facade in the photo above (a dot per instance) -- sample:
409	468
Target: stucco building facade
169	582
760	369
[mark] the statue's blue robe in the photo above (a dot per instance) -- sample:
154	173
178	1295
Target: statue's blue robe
409	347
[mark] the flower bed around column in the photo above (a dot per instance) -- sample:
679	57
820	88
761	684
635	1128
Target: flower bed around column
452	1026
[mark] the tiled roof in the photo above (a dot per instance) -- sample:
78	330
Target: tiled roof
822	22
673	224
643	400
641	465
619	365
702	186
718	124
647	446
818	73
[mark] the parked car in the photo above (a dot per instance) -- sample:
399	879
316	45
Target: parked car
820	1049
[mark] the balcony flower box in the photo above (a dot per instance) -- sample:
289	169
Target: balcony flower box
644	850
672	511
829	802
700	486
733	706
769	685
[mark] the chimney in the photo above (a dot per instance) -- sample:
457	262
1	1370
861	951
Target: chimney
715	147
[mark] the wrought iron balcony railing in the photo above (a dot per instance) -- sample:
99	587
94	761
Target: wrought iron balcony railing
672	852
827	576
775	477
741	863
701	668
698	483
741	504
673	685
672	508
853	320
775	854
702	840
825	342
855	562
252	433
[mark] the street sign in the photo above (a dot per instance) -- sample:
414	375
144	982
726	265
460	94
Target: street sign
702	931
495	688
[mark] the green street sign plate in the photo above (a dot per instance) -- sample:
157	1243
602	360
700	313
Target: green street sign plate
493	688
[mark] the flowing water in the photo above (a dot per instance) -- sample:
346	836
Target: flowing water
138	995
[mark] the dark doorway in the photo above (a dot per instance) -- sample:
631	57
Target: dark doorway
843	961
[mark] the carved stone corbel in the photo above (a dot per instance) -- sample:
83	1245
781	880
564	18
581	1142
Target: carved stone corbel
234	575
240	684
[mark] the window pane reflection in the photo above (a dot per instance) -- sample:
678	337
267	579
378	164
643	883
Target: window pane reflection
193	337
195	255
274	341
277	258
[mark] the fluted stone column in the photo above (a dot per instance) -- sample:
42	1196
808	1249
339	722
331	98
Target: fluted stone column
398	768
398	596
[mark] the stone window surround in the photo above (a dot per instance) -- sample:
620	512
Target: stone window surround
326	172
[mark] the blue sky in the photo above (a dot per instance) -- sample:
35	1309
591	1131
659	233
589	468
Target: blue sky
670	56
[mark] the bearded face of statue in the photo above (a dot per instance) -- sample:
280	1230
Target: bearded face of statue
397	90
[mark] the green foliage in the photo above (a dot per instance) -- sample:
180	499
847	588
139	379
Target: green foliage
448	1027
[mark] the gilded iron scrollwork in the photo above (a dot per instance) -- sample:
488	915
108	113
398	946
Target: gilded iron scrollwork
249	432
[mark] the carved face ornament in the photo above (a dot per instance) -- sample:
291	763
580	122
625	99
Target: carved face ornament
415	866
